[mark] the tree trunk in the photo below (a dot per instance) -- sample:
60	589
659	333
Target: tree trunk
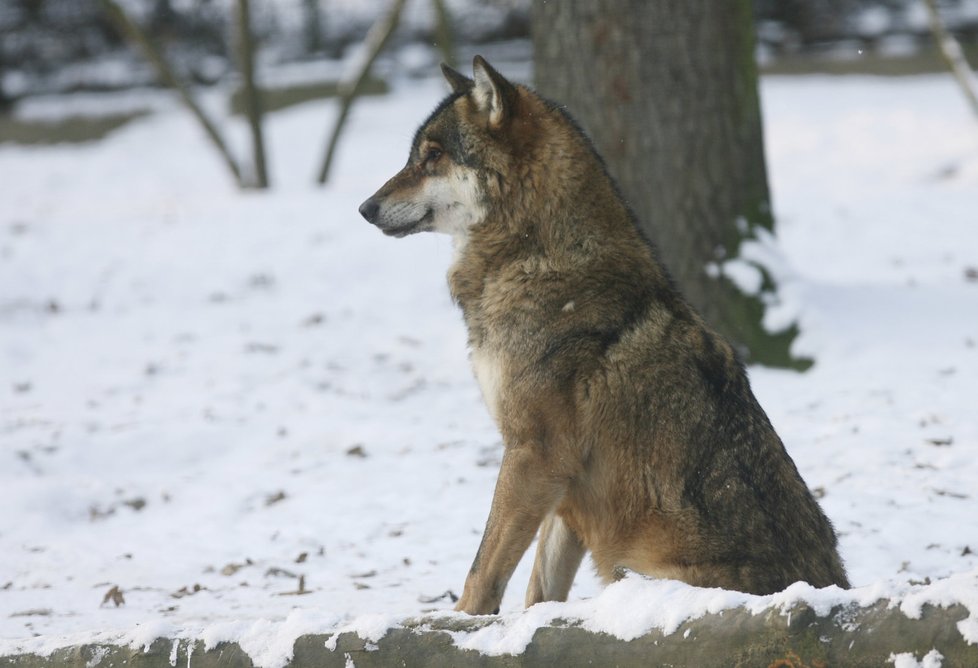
312	26
252	101
4	100
668	93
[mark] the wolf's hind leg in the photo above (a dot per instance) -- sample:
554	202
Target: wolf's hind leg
559	555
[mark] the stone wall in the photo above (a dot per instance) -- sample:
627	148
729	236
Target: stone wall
795	638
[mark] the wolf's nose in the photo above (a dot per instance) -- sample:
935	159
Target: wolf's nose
369	209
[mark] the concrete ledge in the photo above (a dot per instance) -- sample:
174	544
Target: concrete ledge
796	638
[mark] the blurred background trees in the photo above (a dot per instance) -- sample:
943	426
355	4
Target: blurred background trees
63	45
667	90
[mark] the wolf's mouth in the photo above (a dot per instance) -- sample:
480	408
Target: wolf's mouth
420	225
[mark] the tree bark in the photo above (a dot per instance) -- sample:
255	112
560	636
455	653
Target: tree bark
668	93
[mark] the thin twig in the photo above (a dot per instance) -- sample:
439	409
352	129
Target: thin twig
132	31
350	86
443	32
953	55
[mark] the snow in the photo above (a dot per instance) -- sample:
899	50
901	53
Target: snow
206	394
666	605
933	659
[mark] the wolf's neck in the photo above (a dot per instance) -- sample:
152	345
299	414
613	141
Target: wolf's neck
558	209
482	253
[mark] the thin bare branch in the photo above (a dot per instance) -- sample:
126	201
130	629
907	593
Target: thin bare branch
443	32
131	30
350	86
953	55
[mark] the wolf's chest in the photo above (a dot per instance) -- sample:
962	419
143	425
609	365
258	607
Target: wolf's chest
488	367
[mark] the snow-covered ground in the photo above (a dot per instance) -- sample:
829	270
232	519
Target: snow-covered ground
253	414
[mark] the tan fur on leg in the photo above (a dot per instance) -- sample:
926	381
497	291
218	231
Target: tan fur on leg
559	555
523	497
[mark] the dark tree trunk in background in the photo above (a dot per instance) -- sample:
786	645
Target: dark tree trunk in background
668	93
4	100
252	100
813	21
312	26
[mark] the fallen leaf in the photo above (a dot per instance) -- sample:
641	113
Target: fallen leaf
274	571
261	281
33	612
115	595
368	574
953	495
96	513
187	591
263	348
272	499
449	594
300	591
232	568
136	504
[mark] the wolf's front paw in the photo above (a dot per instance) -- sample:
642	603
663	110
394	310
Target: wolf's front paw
469	605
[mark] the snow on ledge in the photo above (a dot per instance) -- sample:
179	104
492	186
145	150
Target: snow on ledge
636	606
628	609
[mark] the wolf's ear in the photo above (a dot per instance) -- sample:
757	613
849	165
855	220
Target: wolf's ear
493	94
458	81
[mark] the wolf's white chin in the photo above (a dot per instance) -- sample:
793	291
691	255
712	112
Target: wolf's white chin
423	224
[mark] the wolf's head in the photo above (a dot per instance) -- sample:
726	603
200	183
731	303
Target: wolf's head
447	183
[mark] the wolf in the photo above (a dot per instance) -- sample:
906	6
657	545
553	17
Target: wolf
629	425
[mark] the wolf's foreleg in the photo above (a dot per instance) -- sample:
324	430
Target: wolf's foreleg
559	554
525	493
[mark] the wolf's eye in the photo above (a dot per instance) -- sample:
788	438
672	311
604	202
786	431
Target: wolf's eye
432	155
